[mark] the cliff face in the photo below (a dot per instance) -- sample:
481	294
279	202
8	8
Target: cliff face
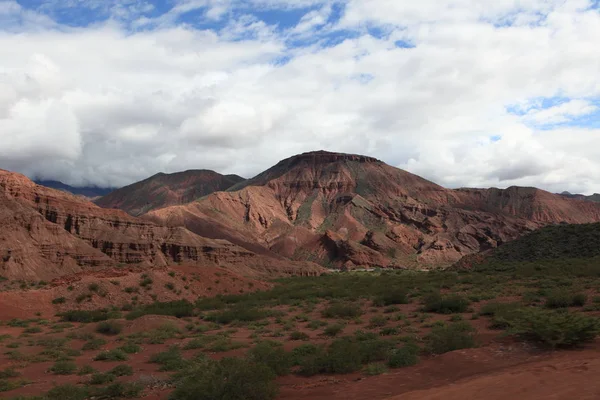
163	190
352	210
49	233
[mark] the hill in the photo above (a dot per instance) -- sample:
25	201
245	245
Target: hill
47	233
345	210
163	190
87	191
552	250
594	197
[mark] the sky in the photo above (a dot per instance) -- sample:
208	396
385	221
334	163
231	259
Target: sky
462	92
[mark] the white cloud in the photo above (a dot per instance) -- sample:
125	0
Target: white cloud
108	106
562	112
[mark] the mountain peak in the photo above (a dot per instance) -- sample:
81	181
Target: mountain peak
326	157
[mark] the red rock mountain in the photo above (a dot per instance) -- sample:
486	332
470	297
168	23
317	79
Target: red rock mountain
45	233
163	190
352	210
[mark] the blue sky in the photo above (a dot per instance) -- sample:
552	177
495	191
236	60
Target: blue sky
462	92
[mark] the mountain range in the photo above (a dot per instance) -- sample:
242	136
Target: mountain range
313	210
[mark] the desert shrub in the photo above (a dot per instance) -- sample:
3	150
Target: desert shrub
67	392
272	355
297	335
342	310
333	330
375	369
86	370
450	304
6	385
300	353
555	328
110	328
178	309
210	303
404	357
130	348
122	370
9	373
89	316
59	300
93	344
229	378
443	339
223	344
315	324
563	299
389	331
373	348
102	379
111	355
377	321
169	360
146	281
391	297
63	368
129	390
342	356
238	313
93	287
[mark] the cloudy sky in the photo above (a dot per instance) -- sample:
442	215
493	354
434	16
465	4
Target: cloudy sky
463	92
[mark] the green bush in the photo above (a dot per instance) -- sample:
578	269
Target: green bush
130	390
555	328
342	356
93	344
178	309
111	355
378	321
170	360
404	357
456	336
391	297
342	310
302	352
122	370
9	373
89	316
333	330
109	328
238	313
59	300
563	299
67	392
229	378
63	368
272	355
450	304
375	369
130	348
102	379
86	370
297	335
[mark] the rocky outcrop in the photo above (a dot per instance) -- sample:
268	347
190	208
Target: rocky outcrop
46	233
342	209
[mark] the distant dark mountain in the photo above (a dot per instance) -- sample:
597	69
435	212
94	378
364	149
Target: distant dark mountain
87	191
594	197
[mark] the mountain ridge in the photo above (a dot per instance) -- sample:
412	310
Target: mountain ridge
348	210
163	190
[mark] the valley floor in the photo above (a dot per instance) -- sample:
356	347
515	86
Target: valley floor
395	335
